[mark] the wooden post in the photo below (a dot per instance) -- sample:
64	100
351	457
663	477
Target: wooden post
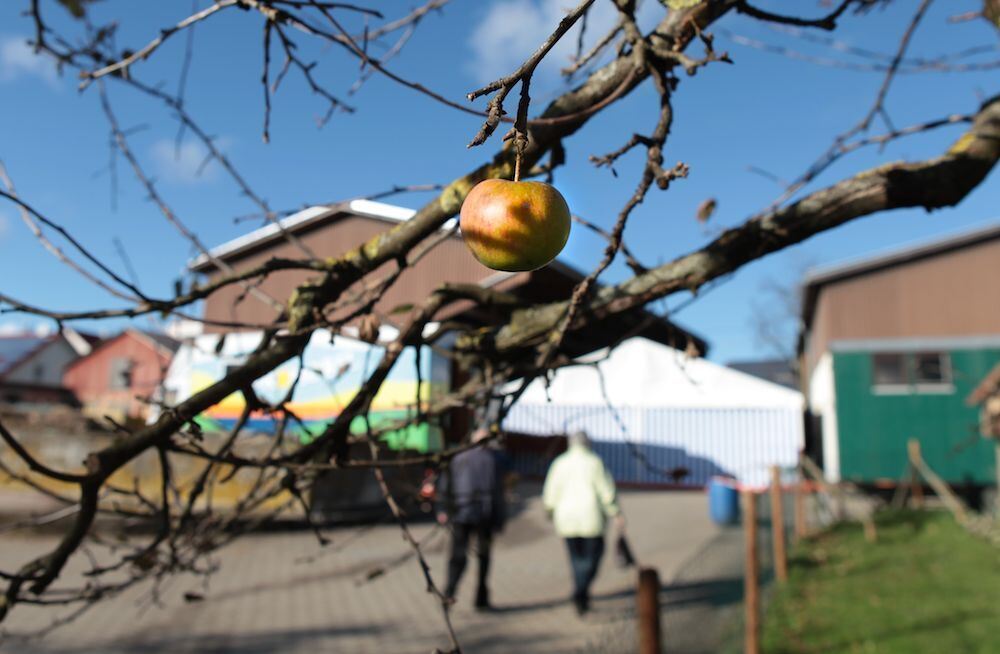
922	471
916	485
778	526
648	608
840	500
996	497
751	589
801	529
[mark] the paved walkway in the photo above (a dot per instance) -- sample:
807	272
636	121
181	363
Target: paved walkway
282	593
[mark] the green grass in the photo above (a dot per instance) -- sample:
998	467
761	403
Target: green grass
926	586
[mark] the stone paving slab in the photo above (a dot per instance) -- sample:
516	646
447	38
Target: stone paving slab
281	592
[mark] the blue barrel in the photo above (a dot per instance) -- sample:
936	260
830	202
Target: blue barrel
723	501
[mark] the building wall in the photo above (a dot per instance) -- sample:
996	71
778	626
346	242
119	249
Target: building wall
951	294
322	384
823	403
645	445
449	262
91	378
874	427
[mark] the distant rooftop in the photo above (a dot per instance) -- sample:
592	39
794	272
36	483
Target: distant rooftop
166	342
776	371
14	349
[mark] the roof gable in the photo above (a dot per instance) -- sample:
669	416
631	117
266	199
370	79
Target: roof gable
16	349
309	218
160	343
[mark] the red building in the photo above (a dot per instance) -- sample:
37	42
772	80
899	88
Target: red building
120	374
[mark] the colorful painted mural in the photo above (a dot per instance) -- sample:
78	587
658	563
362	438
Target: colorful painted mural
321	384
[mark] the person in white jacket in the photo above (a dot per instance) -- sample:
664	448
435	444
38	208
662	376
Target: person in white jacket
580	496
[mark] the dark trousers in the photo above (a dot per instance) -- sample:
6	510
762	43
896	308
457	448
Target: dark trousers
461	534
584	558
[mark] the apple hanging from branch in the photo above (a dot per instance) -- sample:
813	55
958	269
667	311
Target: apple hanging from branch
515	226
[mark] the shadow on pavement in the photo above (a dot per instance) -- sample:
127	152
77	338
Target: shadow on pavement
716	592
597	600
700	606
246	643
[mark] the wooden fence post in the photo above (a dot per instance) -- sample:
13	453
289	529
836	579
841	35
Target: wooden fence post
751	588
648	609
801	530
921	470
916	485
778	526
996	498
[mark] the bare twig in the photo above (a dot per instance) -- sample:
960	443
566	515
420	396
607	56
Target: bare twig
828	22
523	74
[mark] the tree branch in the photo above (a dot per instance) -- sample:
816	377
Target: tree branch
932	184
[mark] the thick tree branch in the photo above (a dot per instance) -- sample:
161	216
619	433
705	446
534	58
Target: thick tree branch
932	184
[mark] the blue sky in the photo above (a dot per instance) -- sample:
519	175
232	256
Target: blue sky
766	111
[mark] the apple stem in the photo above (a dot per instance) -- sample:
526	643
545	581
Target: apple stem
517	165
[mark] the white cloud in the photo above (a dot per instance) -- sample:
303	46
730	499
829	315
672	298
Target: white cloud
43	329
11	328
512	29
18	59
188	164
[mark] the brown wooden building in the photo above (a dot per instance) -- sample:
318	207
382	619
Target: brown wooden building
947	288
891	345
331	231
115	378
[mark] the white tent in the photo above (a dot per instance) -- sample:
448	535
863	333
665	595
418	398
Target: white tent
649	409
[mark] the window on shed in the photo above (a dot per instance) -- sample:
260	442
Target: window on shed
888	369
895	372
121	373
931	368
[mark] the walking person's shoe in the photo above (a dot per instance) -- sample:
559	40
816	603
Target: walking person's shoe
581	603
483	600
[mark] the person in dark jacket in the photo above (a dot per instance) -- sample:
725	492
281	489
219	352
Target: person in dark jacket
472	503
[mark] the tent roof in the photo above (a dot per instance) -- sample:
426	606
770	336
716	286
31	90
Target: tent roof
640	372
